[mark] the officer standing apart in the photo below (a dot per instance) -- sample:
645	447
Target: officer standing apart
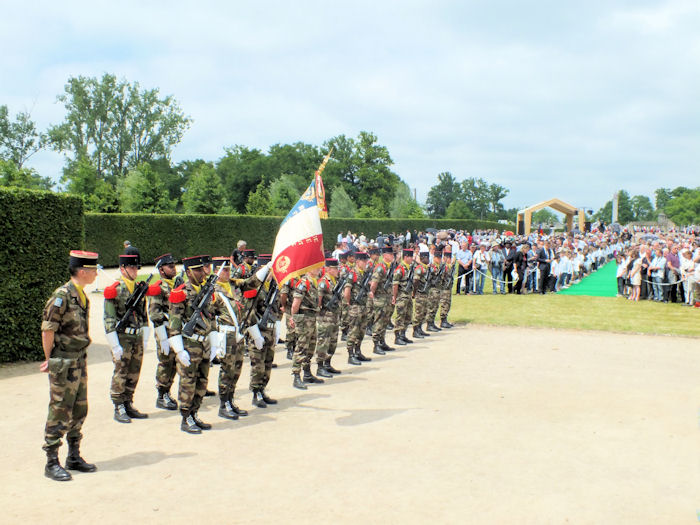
127	343
158	308
64	338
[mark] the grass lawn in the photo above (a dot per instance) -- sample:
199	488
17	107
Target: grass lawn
608	314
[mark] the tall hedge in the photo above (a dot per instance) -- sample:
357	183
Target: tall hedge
39	230
184	235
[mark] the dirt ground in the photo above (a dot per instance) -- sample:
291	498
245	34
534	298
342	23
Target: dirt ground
473	425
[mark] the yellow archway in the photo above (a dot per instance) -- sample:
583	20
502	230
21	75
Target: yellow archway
524	222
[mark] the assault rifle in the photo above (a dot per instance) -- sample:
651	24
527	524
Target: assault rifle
390	275
253	305
452	277
179	279
333	302
133	301
409	285
427	280
201	302
361	296
269	305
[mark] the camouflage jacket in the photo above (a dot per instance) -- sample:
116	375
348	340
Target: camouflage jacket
227	292
116	295
325	290
158	304
243	271
401	277
67	318
183	301
307	290
354	282
420	276
379	275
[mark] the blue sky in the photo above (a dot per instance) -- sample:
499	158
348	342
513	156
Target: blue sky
550	99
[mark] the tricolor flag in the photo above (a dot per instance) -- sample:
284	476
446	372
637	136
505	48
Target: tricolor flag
299	242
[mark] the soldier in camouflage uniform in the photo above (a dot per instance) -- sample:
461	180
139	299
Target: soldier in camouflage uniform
193	352
401	297
245	269
381	300
158	307
420	279
127	344
357	307
446	289
229	314
436	278
349	257
373	258
65	338
261	339
285	304
304	311
327	322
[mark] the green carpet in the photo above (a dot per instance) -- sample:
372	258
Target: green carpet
602	283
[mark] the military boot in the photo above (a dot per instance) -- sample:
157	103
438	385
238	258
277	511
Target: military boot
398	339
209	393
378	348
352	358
225	409
74	461
309	377
298	383
422	332
403	334
201	424
390	326
268	399
445	324
330	368
417	333
359	355
322	372
132	412
290	350
53	469
120	413
236	410
164	400
258	400
385	346
344	335
431	327
368	331
188	424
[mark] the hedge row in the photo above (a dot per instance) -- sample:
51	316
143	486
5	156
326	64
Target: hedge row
184	235
39	230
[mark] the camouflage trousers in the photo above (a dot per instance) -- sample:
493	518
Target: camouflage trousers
344	316
433	304
381	315
291	336
421	310
445	303
358	319
404	311
127	369
166	369
261	360
231	365
306	341
327	335
193	378
68	405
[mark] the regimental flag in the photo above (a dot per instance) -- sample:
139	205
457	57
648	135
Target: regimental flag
299	242
320	191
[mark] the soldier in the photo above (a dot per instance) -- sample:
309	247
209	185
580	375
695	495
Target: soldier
373	258
229	313
356	303
437	272
381	300
304	311
401	297
245	268
446	289
193	352
327	322
158	308
261	339
349	265
285	304
127	344
420	292
65	338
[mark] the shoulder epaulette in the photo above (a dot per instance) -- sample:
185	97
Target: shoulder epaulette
111	290
178	295
250	294
154	289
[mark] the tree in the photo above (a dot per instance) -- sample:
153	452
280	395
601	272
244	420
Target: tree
116	125
662	196
642	209
446	191
19	140
204	192
545	217
342	205
259	201
143	191
283	195
26	178
241	170
403	205
459	209
684	209
476	194
495	193
82	179
625	215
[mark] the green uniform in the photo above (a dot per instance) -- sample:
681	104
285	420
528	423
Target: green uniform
404	302
232	362
446	291
358	317
261	353
327	322
158	308
305	321
381	305
66	316
434	291
420	277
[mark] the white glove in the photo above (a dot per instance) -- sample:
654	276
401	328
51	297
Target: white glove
179	348
258	339
221	349
215	343
117	350
145	334
277	331
162	335
261	274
